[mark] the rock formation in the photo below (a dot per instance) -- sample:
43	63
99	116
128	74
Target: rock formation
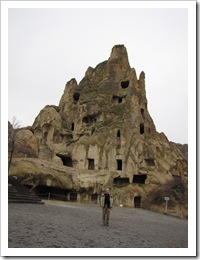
101	134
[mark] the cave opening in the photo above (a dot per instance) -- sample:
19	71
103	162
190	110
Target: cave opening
89	120
139	178
119	165
117	99
67	161
119	180
118	134
142	128
76	97
125	84
72	127
149	162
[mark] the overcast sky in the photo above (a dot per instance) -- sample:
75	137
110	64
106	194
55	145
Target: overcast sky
48	47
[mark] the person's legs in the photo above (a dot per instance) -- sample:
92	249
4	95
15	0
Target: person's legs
107	216
104	215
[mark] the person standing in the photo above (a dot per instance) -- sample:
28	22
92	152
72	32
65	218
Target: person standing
106	204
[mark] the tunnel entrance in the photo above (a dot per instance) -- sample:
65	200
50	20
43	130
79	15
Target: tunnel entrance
137	202
139	178
47	192
119	180
67	161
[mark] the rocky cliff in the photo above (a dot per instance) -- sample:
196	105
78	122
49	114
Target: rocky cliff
101	134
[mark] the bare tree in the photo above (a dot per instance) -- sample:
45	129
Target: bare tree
12	130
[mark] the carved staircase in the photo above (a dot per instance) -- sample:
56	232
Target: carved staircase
18	193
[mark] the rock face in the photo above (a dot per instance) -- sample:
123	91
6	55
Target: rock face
103	131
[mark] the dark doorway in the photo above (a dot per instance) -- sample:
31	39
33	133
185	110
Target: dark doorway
119	180
124	84
137	202
67	161
73	196
139	178
90	164
72	127
94	197
119	165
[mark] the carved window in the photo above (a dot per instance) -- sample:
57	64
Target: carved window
139	178
90	164
119	165
142	128
119	180
118	134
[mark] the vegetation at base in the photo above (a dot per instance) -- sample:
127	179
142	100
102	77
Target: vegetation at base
175	189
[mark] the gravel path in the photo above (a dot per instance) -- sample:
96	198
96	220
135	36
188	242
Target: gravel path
65	225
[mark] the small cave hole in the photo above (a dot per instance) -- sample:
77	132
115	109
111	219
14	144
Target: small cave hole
125	84
76	97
